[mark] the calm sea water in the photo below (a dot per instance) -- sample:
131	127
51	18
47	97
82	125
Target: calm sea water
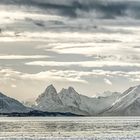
67	128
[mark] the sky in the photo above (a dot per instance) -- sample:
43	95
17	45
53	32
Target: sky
91	45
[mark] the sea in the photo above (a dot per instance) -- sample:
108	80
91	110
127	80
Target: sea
70	128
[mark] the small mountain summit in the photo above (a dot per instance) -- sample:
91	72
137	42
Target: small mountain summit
69	91
49	100
70	97
72	90
50	90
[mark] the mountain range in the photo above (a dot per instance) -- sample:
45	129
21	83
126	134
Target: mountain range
70	101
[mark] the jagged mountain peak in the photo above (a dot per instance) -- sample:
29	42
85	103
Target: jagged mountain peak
69	91
51	89
49	100
51	86
72	90
50	92
70	97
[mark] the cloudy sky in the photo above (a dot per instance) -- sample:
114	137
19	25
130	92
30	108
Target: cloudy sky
92	45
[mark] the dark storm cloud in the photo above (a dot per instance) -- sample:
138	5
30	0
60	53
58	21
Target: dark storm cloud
102	8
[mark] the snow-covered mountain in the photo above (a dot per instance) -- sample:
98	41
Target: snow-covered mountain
10	105
128	103
68	100
49	100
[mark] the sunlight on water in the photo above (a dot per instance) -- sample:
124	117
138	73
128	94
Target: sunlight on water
67	128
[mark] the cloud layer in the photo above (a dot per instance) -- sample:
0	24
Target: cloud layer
81	8
89	44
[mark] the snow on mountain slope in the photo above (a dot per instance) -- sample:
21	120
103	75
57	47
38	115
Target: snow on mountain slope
97	105
68	100
49	100
92	106
127	104
72	101
70	97
9	105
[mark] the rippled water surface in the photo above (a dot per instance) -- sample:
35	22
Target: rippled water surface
61	128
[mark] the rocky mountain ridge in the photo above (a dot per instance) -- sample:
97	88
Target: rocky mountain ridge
69	101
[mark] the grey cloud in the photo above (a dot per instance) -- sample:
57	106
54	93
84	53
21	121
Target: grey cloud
72	8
